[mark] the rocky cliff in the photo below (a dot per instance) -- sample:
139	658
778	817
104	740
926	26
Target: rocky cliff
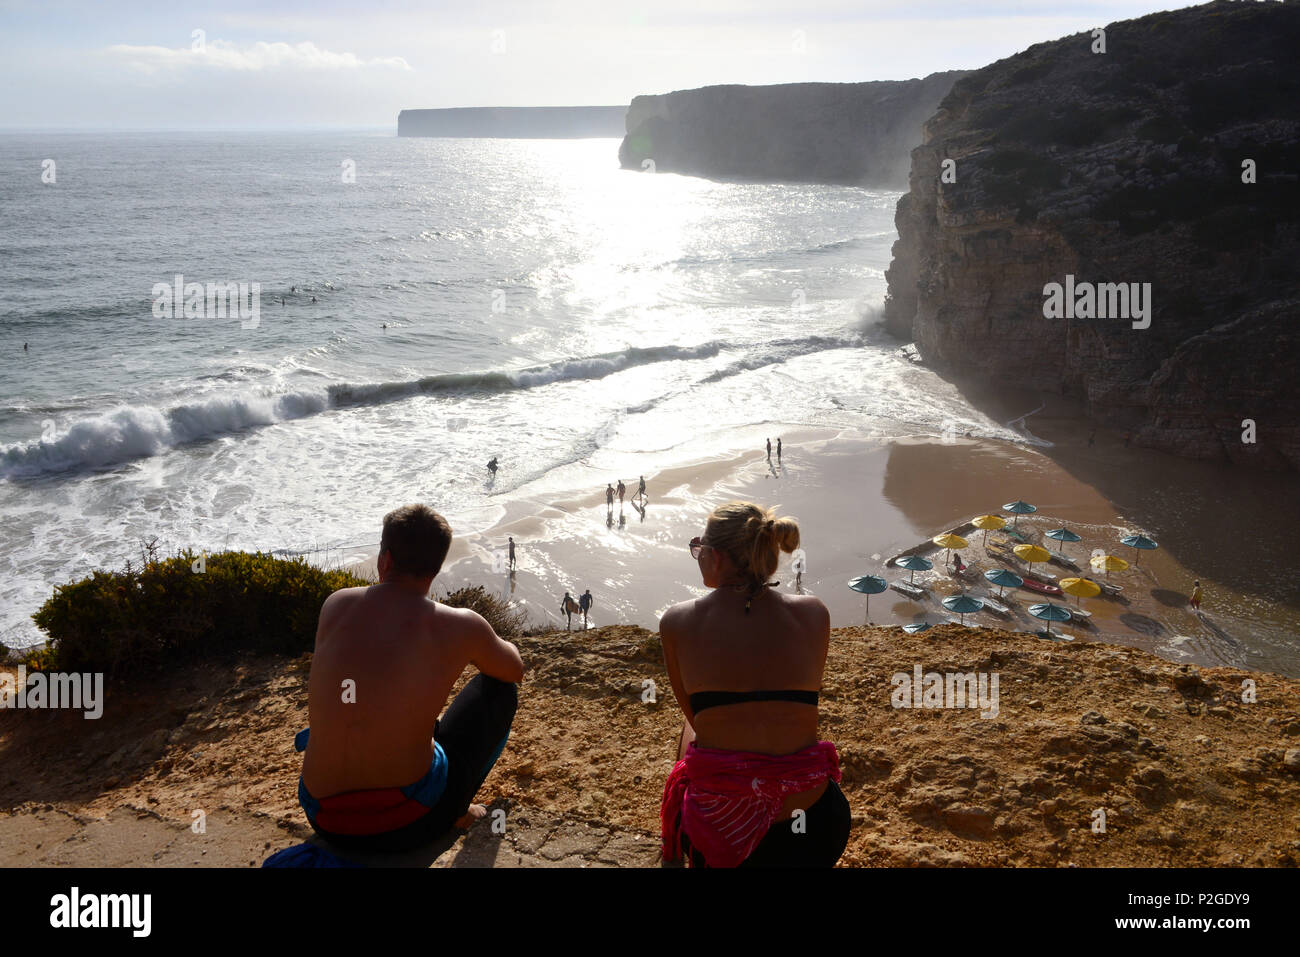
852	133
1171	158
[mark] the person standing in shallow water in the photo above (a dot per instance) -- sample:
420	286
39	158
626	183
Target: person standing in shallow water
778	449
1196	595
512	551
749	759
769	450
609	495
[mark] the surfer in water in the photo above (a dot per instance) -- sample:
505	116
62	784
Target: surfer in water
492	466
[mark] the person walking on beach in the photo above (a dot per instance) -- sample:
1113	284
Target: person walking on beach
609	496
569	606
640	490
622	489
769	450
1196	595
749	755
512	552
585	602
492	466
382	771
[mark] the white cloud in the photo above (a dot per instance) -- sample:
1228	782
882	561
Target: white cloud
218	54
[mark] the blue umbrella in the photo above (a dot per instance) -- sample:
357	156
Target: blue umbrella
1019	508
916	626
916	563
868	585
963	605
1063	534
1050	613
1003	579
1139	541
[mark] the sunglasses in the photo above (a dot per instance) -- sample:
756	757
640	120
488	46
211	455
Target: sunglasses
696	546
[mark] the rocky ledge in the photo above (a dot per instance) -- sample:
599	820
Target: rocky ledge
1166	166
851	133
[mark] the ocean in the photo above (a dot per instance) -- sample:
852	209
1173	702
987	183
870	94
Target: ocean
424	305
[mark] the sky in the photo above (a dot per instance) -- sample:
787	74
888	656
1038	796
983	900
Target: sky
288	64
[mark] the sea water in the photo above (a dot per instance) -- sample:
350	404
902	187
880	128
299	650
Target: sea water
424	305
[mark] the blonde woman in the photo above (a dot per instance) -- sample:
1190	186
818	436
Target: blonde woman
753	785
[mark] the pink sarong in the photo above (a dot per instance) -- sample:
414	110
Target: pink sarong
725	801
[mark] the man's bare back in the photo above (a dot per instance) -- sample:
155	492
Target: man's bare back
385	662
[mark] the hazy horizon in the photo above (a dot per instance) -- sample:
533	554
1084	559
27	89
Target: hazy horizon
292	65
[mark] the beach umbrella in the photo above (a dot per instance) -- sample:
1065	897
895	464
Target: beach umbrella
868	585
1063	535
1031	554
1138	542
963	605
916	564
916	626
990	523
1049	613
949	541
1019	508
1080	588
1108	564
1003	578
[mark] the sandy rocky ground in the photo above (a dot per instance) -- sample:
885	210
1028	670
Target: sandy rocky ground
1187	774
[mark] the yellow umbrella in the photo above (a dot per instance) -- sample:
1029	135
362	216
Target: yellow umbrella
1080	588
1031	554
990	523
1108	564
949	541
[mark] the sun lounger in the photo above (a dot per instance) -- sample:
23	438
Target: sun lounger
995	606
1080	614
1060	559
915	592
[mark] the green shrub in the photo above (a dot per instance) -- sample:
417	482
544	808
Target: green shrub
162	611
506	621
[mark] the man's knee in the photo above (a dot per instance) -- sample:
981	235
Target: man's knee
502	699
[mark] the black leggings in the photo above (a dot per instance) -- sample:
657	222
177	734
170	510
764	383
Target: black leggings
472	732
826	834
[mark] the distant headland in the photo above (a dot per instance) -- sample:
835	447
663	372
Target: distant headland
516	122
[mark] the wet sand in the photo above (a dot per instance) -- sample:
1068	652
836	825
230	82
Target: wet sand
860	500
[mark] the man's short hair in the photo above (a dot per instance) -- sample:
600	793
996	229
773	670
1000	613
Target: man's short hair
417	538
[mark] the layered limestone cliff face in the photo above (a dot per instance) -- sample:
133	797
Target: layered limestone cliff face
851	133
1122	167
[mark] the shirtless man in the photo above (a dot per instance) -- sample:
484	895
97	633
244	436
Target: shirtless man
385	662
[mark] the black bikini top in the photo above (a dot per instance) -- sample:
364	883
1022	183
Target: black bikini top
712	699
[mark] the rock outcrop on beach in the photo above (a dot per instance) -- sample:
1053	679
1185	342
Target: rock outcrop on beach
1171	158
515	122
851	133
1098	755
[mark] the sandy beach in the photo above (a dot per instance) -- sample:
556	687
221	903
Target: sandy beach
862	499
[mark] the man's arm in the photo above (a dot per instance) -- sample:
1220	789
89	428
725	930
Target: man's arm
491	654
